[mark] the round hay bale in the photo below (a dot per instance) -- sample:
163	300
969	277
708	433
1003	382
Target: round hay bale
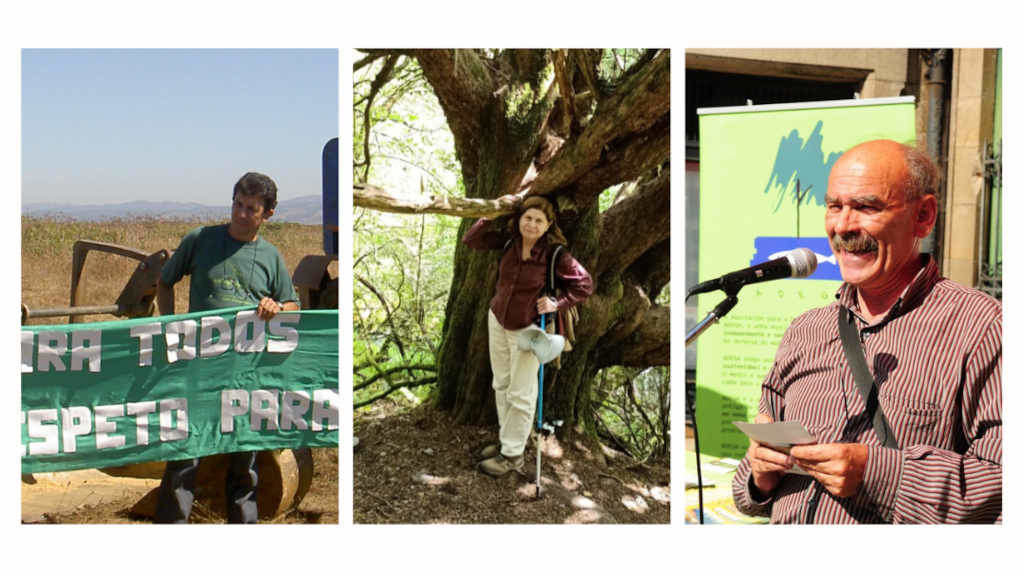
285	477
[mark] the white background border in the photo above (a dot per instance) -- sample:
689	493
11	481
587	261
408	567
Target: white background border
674	549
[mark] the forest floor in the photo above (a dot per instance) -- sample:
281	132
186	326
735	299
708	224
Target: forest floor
416	466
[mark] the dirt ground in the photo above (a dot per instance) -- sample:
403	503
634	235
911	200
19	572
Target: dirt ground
92	497
418	467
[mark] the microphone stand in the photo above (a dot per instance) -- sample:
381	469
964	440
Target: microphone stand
713	317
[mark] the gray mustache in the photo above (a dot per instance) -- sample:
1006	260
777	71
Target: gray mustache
856	243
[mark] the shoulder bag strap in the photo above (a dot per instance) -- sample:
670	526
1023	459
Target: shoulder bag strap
552	263
549	284
862	376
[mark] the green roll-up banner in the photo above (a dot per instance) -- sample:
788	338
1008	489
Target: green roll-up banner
763	176
174	387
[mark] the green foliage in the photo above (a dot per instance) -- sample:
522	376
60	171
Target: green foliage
616	61
410	146
611	196
632	407
402	263
403	267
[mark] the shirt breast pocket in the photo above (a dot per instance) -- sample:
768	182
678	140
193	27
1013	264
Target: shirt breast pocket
916	421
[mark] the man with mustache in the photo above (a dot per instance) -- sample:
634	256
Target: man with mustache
934	350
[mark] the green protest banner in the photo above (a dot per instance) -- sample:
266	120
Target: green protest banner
173	387
763	177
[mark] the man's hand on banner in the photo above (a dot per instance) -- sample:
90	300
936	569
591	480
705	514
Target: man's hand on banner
268	308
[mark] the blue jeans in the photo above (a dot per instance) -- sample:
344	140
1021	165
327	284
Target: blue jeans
177	490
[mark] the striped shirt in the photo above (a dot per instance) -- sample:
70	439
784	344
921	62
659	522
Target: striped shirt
936	359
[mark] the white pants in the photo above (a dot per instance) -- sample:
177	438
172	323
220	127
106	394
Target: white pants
515	387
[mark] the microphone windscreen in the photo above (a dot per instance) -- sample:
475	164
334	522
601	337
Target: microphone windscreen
803	261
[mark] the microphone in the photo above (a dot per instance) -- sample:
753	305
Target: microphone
798	263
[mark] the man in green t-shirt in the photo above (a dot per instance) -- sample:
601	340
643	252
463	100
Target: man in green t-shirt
229	265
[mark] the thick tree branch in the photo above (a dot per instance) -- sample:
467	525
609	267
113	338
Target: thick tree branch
369	196
638	103
631	227
568	122
535	146
653	270
624	160
632	306
464	87
522	66
648	345
587	62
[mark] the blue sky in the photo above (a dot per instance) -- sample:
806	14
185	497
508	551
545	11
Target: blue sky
109	126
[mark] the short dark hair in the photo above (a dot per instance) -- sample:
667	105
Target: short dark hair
259	185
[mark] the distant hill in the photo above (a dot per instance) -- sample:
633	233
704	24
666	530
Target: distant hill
302	210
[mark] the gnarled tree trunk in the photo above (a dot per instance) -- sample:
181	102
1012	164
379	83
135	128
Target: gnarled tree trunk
518	132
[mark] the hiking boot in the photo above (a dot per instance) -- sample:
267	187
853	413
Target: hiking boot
488	452
501	465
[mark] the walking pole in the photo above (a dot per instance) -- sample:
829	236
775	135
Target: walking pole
540	410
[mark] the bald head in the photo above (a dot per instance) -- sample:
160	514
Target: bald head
903	168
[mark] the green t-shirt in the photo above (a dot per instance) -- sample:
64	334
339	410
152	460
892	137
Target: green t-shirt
226	272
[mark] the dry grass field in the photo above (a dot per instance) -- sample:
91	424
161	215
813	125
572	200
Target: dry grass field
45	282
46	246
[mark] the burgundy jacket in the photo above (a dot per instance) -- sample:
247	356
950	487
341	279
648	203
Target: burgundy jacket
520	282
